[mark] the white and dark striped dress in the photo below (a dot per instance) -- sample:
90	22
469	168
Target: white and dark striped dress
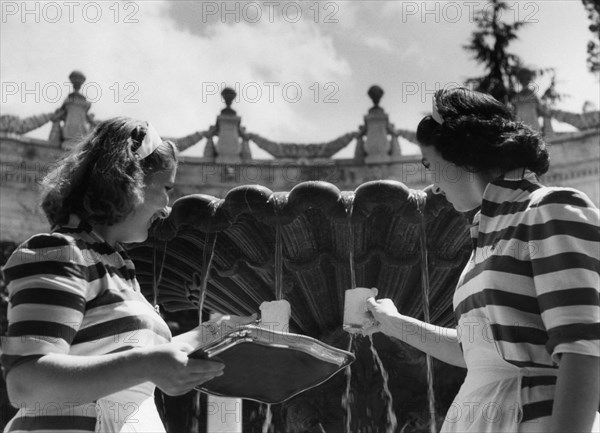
529	294
72	293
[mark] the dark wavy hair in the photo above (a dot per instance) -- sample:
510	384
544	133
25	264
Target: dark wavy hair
101	180
480	134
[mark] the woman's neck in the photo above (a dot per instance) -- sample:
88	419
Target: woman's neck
108	233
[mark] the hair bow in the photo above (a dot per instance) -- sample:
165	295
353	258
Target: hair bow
149	143
435	114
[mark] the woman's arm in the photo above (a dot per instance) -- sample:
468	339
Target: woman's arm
70	379
563	247
49	287
441	343
577	393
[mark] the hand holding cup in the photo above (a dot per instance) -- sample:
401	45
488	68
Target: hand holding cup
382	311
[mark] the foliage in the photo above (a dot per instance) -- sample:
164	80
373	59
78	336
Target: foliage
505	72
489	45
593	9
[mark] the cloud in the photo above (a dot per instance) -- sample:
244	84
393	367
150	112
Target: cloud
153	69
297	81
379	43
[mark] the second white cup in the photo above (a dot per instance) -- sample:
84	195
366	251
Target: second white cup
356	315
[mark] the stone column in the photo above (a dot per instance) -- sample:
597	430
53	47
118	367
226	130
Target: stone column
547	129
56	136
359	151
395	152
245	152
209	149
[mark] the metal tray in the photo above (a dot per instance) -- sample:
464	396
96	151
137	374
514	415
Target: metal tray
270	366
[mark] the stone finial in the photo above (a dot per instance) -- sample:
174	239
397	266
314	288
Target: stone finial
375	93
525	76
77	79
228	95
76	108
377	146
229	147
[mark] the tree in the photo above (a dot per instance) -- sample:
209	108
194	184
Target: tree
593	48
489	45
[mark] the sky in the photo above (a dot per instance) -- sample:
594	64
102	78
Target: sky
301	68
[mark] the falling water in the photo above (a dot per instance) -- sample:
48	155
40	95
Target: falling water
207	258
268	418
278	263
346	398
421	200
278	293
196	411
277	205
392	422
156	281
349	207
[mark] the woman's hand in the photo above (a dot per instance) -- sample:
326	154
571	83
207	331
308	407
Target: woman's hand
174	373
230	323
383	311
212	330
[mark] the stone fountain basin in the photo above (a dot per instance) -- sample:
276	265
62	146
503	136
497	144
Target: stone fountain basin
317	233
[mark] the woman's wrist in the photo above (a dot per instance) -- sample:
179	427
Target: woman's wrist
391	323
142	362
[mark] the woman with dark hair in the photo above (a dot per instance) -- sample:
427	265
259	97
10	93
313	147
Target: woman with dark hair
85	349
526	304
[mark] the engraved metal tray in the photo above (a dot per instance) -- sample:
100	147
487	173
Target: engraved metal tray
270	366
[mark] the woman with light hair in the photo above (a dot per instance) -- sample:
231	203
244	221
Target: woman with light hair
85	349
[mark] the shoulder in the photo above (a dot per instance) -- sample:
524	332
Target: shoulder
49	241
560	196
47	250
565	217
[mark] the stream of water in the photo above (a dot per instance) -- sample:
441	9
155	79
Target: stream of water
267	423
347	397
278	264
268	418
421	201
349	207
392	422
210	240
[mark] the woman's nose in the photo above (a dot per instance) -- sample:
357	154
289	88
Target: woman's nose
436	190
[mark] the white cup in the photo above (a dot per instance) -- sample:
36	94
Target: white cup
275	315
356	315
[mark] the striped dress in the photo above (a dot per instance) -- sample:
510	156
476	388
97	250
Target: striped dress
72	293
529	293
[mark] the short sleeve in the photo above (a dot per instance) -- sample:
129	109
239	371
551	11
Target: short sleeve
47	289
564	246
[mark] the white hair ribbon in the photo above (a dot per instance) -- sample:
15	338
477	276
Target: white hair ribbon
150	142
435	114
